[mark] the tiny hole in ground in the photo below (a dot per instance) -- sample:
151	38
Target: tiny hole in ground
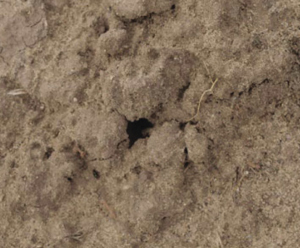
48	153
70	179
186	162
96	174
182	125
183	90
138	130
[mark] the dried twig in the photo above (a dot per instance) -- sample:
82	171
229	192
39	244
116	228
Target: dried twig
219	240
76	236
204	92
16	92
200	100
109	209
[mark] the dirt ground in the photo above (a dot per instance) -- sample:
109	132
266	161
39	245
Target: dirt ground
97	144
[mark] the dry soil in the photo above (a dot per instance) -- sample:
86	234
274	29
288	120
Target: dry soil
97	144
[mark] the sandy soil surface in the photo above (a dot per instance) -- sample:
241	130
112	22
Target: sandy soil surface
98	147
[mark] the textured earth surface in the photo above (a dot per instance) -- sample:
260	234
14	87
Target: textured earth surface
97	144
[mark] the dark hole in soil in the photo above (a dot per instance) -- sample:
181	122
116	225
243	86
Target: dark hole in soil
183	90
186	162
182	125
96	174
136	130
193	123
173	7
48	153
70	179
252	86
137	170
100	26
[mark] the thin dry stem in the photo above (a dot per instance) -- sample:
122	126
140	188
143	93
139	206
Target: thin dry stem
109	209
17	92
203	94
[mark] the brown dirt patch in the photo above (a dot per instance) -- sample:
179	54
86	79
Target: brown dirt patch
96	149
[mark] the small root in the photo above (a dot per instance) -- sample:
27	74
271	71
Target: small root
109	209
201	98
